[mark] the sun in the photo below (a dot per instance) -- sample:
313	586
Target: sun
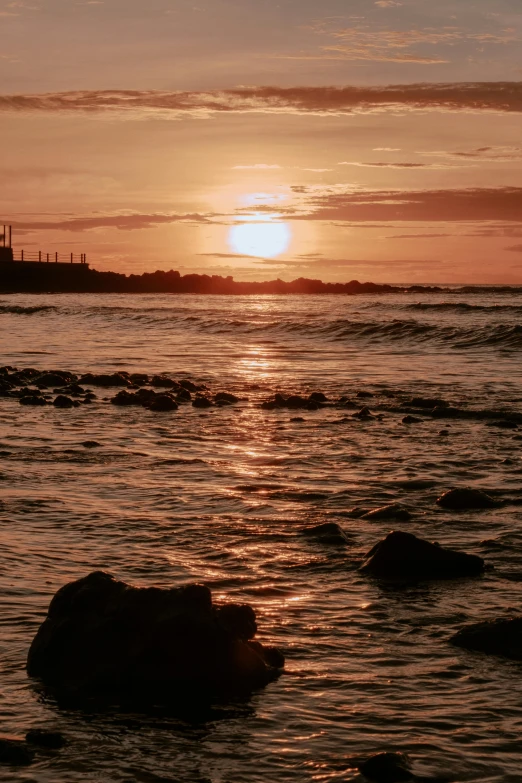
264	240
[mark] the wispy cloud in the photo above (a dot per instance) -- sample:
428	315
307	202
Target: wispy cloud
466	96
124	222
485	154
345	203
258	166
393	165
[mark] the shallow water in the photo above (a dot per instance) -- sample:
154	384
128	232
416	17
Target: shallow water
221	496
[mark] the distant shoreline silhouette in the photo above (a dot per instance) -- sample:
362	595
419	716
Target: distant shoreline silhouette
34	277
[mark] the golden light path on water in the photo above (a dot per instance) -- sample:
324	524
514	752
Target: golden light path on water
263	239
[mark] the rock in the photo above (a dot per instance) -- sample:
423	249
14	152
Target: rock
387	768
162	381
318	397
226	397
444	433
388	512
364	413
296	401
183	395
64	402
189	386
428	402
139	378
363	394
49	379
502	636
505	424
102	379
464	498
126	398
201	402
297	419
404	557
327	533
411	420
103	637
90	444
15	752
32	400
162	403
46	739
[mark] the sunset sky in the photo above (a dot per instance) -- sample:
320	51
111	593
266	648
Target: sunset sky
338	139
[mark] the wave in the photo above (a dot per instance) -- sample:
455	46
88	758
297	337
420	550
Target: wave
19	310
463	307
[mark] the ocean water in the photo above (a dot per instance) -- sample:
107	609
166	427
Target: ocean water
221	496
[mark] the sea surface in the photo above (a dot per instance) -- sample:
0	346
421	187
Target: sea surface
221	496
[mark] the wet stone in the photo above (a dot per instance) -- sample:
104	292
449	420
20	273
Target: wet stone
394	511
464	498
403	557
326	533
15	752
64	402
201	402
32	400
411	420
502	636
52	740
163	403
387	768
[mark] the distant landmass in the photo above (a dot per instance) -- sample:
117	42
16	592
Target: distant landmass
35	277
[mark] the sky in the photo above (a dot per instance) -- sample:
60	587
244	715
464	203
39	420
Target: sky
340	140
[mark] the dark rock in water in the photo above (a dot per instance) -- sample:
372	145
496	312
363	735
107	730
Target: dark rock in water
226	397
387	768
364	413
32	400
269	405
464	498
64	402
447	412
162	403
49	379
502	636
318	397
15	752
201	402
139	378
103	637
126	398
411	420
46	739
297	419
444	433
114	379
189	386
362	394
327	533
313	406
505	424
428	402
183	395
388	512
296	401
163	382
90	444
404	557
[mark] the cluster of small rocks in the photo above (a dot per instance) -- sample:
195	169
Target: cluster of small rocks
156	392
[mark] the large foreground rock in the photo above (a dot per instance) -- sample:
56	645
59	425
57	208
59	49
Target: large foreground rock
403	557
496	637
103	637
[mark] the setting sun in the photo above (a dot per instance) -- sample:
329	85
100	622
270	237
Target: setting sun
265	240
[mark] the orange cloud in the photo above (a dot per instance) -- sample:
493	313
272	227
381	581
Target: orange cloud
464	96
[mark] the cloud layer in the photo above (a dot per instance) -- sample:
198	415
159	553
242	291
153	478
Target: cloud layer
465	96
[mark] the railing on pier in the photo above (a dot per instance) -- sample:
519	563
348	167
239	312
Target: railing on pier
50	258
